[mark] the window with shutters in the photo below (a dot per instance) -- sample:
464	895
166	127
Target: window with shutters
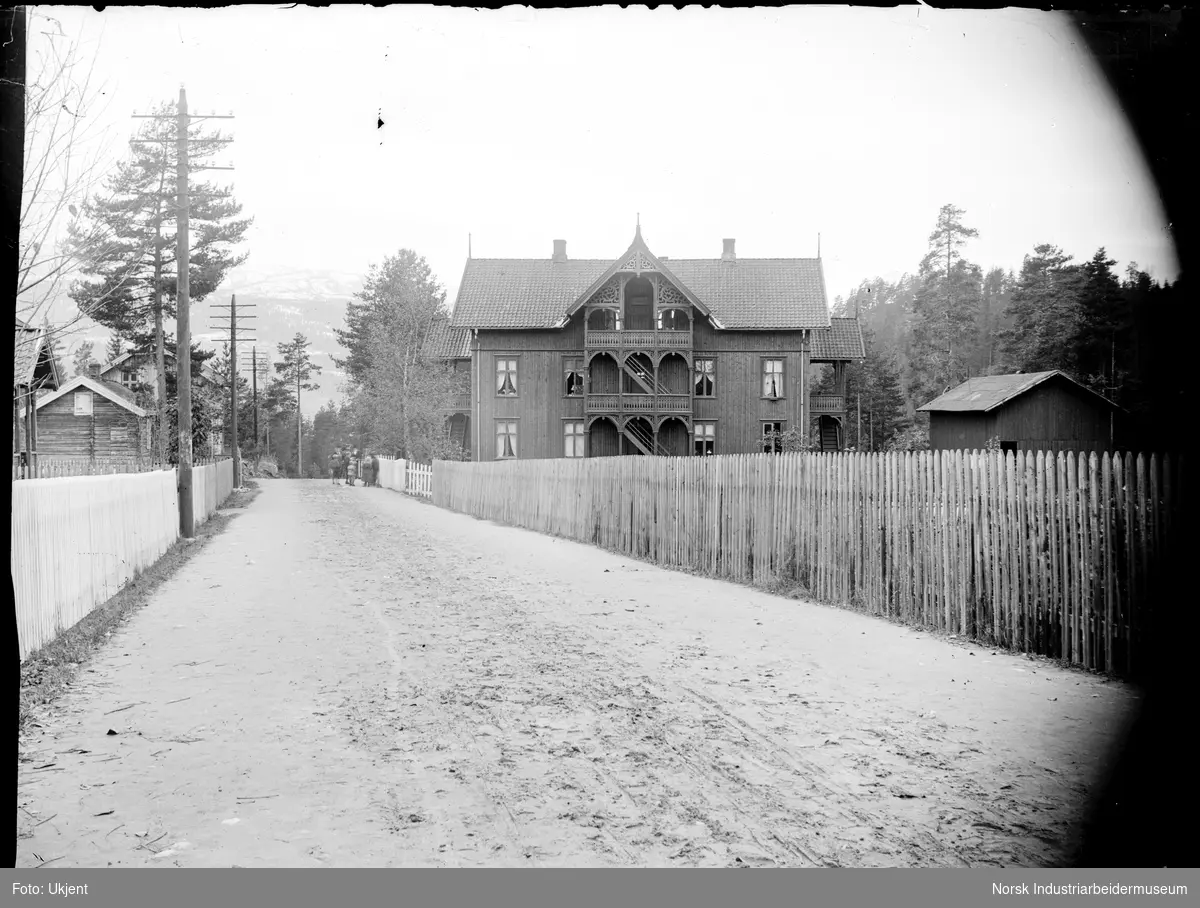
83	403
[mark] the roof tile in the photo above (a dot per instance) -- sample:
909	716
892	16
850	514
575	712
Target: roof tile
842	340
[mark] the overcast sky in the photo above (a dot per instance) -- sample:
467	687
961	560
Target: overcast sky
522	126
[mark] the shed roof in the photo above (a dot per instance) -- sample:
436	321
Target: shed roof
745	294
987	392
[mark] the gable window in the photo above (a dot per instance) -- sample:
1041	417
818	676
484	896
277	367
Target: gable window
573	376
706	377
772	378
772	443
506	439
83	403
705	437
573	439
506	377
128	377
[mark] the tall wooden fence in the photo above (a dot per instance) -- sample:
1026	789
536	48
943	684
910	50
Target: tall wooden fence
211	484
1060	555
77	540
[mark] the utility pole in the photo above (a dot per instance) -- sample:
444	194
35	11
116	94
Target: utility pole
233	377
183	341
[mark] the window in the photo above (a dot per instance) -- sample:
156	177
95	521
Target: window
506	439
705	438
772	443
573	439
772	378
573	374
706	378
506	377
83	403
128	377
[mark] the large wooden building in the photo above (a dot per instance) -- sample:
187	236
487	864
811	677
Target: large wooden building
643	355
1035	411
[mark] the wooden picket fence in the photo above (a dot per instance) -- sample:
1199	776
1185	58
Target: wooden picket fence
405	476
1059	555
54	466
76	540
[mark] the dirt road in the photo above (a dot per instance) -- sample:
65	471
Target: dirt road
349	677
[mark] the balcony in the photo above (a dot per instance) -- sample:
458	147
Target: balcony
638	340
833	404
639	403
460	403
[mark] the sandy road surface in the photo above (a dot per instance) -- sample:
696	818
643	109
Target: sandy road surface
372	681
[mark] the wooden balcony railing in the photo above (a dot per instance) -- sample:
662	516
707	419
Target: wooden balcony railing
639	403
827	403
638	340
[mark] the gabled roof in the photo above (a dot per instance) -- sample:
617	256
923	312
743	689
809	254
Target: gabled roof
444	341
33	361
167	354
743	294
110	390
987	392
842	340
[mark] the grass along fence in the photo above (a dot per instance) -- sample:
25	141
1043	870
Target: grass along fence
1059	555
77	540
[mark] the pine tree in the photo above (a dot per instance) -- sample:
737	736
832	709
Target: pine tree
297	368
944	309
131	279
1046	313
83	359
116	348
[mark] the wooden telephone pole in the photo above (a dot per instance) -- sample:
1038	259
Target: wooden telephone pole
183	341
232	318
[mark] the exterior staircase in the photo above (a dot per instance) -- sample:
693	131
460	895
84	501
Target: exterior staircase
829	435
458	433
643	376
643	439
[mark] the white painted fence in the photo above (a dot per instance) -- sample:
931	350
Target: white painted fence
77	540
419	480
402	475
211	485
392	473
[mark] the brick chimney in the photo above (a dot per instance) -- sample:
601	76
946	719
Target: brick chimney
94	371
560	250
728	255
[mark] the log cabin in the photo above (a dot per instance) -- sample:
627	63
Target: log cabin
89	417
643	355
35	372
1034	411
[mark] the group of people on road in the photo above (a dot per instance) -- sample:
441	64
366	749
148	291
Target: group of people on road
346	463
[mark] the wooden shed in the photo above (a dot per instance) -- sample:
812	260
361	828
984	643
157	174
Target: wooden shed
89	417
1035	411
34	373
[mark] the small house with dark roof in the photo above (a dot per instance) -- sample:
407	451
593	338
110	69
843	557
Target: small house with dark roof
90	417
644	355
1035	411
